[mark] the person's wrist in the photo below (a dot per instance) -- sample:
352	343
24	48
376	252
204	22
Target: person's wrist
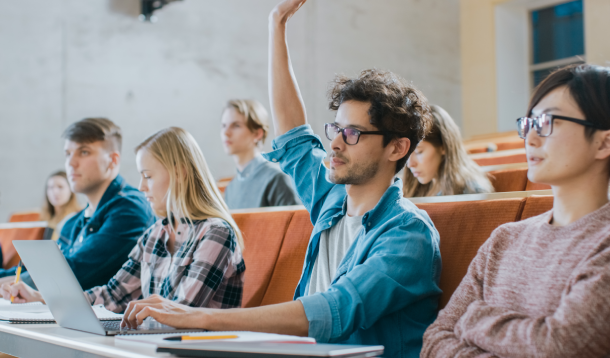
277	22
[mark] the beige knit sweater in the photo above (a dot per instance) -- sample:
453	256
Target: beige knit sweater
533	290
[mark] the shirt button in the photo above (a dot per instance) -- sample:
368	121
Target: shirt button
90	229
274	160
330	223
80	239
369	224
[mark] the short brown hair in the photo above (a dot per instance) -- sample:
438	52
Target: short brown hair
398	109
255	113
98	129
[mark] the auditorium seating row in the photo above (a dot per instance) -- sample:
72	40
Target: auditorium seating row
493	142
513	179
276	239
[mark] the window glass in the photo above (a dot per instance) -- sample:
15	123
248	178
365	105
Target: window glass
558	32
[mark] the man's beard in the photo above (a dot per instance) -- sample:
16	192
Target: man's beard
359	173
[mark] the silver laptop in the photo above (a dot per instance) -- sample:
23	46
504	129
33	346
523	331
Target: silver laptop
64	296
270	349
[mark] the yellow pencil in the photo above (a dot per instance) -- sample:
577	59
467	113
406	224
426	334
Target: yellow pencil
17	278
197	338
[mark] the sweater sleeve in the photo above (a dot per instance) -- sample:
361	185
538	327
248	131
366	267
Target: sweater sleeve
579	327
440	339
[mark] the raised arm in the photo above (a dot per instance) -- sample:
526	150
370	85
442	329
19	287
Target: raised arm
287	107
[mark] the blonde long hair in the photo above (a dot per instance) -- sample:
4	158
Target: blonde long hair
192	192
457	173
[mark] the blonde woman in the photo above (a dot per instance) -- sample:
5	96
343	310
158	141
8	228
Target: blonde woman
258	183
60	202
440	165
192	255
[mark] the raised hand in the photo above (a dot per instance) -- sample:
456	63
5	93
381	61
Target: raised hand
21	292
285	9
163	311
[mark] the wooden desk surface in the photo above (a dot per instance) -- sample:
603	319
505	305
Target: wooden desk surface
50	340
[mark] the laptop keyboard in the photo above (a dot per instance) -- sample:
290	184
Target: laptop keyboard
115	326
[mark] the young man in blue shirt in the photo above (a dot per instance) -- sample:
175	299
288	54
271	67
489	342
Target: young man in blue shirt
97	240
372	265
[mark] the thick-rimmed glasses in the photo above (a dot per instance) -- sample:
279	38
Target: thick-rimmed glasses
351	136
543	124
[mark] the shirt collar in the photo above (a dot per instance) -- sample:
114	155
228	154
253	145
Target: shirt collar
256	162
391	195
113	189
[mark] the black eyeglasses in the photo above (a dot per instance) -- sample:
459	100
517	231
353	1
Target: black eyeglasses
351	136
544	124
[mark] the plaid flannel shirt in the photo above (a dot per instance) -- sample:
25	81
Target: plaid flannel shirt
206	271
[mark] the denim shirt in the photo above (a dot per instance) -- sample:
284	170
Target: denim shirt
97	247
386	287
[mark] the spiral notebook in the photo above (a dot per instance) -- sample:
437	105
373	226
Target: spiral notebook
39	313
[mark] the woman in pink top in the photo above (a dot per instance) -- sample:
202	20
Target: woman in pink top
540	287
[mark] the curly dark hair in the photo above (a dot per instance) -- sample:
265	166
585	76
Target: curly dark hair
398	109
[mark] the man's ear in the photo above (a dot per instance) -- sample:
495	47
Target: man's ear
115	160
603	150
400	148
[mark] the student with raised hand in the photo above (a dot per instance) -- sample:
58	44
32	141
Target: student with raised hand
372	266
97	240
60	202
192	255
258	183
539	287
440	165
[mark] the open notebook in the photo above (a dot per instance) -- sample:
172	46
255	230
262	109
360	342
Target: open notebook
39	313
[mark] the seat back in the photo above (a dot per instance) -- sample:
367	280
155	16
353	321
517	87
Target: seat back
24	216
536	205
535	186
463	228
289	265
263	236
496	160
508	180
9	232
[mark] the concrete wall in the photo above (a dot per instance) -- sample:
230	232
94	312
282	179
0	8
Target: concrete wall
64	60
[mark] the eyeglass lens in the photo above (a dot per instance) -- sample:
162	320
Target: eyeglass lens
542	125
350	135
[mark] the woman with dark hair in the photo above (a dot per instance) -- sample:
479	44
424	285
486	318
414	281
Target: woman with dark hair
60	202
440	165
539	287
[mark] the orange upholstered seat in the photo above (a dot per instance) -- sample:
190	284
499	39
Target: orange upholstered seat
10	257
24	216
263	236
463	228
508	180
536	205
535	186
496	160
290	262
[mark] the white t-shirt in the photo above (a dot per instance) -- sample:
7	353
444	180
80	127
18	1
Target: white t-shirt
334	243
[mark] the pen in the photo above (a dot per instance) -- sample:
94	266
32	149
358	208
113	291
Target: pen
197	338
17	278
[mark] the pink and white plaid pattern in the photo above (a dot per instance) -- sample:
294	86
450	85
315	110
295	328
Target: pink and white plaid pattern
206	271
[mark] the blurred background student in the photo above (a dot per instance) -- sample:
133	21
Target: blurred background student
60	202
440	165
258	183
